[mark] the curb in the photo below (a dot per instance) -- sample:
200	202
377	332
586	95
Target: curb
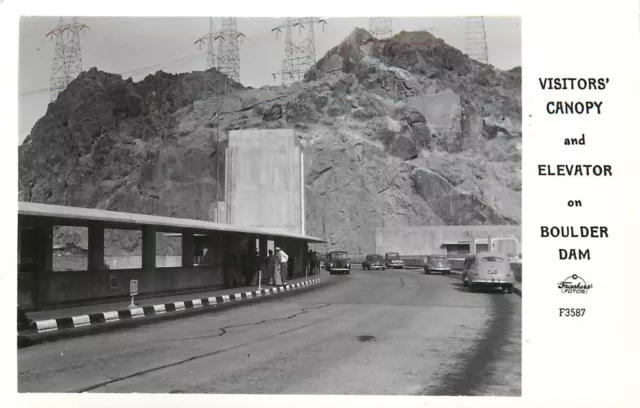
62	323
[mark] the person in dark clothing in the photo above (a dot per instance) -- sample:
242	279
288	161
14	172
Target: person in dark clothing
270	267
23	321
246	266
290	267
199	253
229	269
311	262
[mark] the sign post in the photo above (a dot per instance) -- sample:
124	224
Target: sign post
133	290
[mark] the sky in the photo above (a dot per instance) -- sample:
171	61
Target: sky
138	46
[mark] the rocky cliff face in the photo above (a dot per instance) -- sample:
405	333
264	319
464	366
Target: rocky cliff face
407	131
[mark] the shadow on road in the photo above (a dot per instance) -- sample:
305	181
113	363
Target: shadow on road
459	286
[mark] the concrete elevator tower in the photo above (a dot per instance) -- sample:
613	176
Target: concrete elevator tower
264	180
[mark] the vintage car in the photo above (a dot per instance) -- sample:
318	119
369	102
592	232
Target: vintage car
373	261
488	270
337	261
392	260
437	263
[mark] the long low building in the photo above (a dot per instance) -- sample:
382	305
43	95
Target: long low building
443	239
39	286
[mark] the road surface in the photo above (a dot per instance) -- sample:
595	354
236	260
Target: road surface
393	332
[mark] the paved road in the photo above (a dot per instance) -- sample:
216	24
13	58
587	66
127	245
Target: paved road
372	332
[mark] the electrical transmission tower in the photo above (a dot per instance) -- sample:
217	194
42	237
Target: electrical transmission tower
228	63
67	62
298	58
228	49
210	40
228	58
476	39
380	28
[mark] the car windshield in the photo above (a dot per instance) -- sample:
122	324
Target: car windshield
374	258
393	255
492	259
339	255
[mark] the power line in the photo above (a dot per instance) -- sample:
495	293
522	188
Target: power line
476	39
380	28
67	62
298	58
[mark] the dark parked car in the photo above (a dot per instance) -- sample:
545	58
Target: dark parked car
373	261
337	261
437	263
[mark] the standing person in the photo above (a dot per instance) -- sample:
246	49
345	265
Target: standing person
199	254
316	259
290	266
271	265
312	262
258	265
281	267
248	267
229	268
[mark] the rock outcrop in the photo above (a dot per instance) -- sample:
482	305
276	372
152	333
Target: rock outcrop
406	131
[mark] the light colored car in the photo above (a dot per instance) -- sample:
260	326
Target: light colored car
437	263
392	260
488	270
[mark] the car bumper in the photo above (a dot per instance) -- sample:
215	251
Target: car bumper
485	282
376	267
396	266
339	269
438	268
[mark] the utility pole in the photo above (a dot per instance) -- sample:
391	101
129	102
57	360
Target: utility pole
476	39
298	58
67	62
380	28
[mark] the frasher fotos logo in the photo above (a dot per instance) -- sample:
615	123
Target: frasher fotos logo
574	284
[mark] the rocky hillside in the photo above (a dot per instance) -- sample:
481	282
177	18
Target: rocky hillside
407	131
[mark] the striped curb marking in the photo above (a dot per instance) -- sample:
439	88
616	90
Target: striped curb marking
97	318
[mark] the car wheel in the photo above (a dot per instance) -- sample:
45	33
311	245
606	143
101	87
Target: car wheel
509	290
465	283
472	288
